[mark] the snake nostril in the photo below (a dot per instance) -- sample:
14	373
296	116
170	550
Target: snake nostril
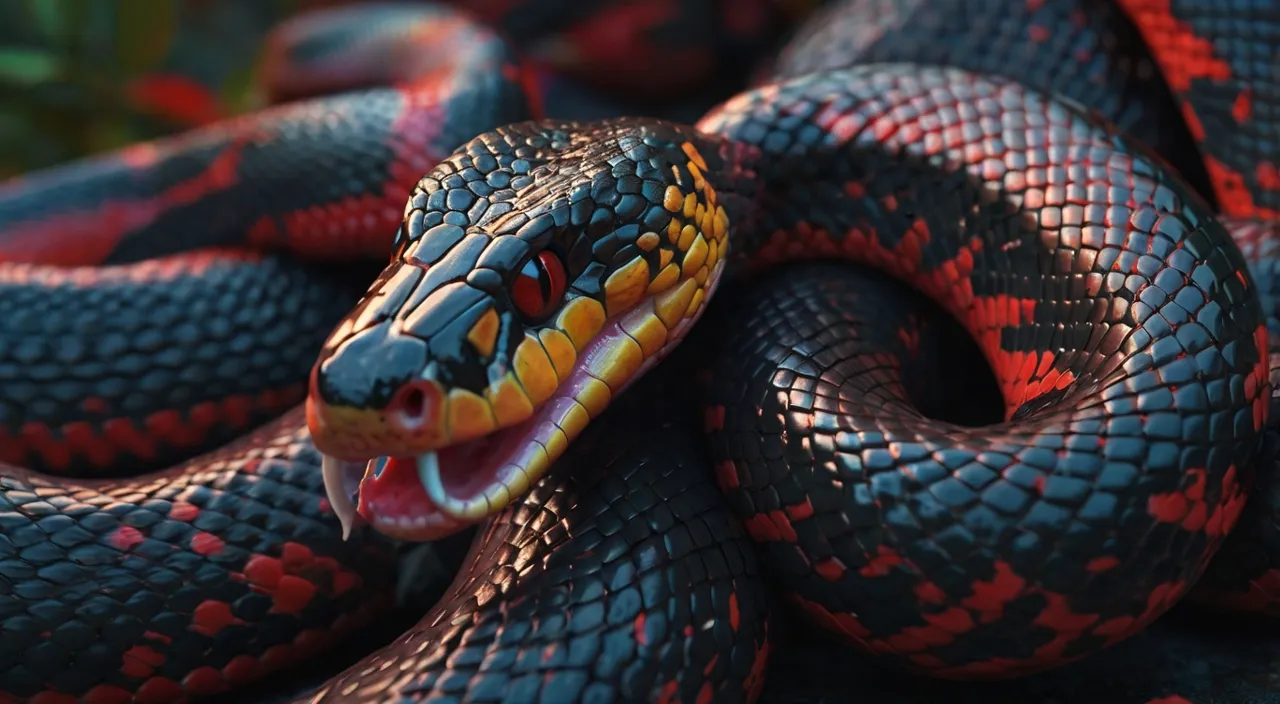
411	407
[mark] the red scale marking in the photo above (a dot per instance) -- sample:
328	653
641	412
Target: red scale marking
755	679
204	680
140	661
101	447
1101	564
344	582
241	669
58	447
293	594
727	475
771	526
160	690
358	225
152	635
210	617
125	537
986	604
206	544
296	556
1183	58
1242	108
1189	508
668	693
107	694
882	563
1023	376
800	511
184	511
715	418
930	593
264	571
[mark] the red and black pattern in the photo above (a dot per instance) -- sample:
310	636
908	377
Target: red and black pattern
1219	57
137	365
1119	319
150	314
1083	50
179	584
1123	327
619	578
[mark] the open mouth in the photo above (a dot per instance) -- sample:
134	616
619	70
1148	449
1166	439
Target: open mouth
438	492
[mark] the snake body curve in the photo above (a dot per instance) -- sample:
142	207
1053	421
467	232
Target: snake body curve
733	157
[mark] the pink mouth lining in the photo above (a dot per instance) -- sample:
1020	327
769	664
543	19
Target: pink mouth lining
395	502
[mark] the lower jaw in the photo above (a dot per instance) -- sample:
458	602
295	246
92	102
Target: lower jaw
427	522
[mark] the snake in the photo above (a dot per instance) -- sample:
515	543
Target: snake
542	268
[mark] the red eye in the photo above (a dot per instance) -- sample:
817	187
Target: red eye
539	286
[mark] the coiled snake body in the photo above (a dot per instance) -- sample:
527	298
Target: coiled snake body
544	267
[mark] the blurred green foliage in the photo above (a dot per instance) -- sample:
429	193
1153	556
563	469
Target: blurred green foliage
84	76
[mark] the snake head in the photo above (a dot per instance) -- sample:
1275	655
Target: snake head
538	272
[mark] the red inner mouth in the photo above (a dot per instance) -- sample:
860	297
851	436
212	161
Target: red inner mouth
466	471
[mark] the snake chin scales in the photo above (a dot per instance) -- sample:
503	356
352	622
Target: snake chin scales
437	493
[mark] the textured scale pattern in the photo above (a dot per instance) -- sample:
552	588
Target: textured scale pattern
1086	51
131	369
1146	416
1245	574
1220	57
624	580
213	574
1122	325
197	579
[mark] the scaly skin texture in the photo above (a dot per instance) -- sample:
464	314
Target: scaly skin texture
131	368
1245	575
1223	75
1219	59
174	328
1083	50
183	583
1122	324
325	179
620	578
